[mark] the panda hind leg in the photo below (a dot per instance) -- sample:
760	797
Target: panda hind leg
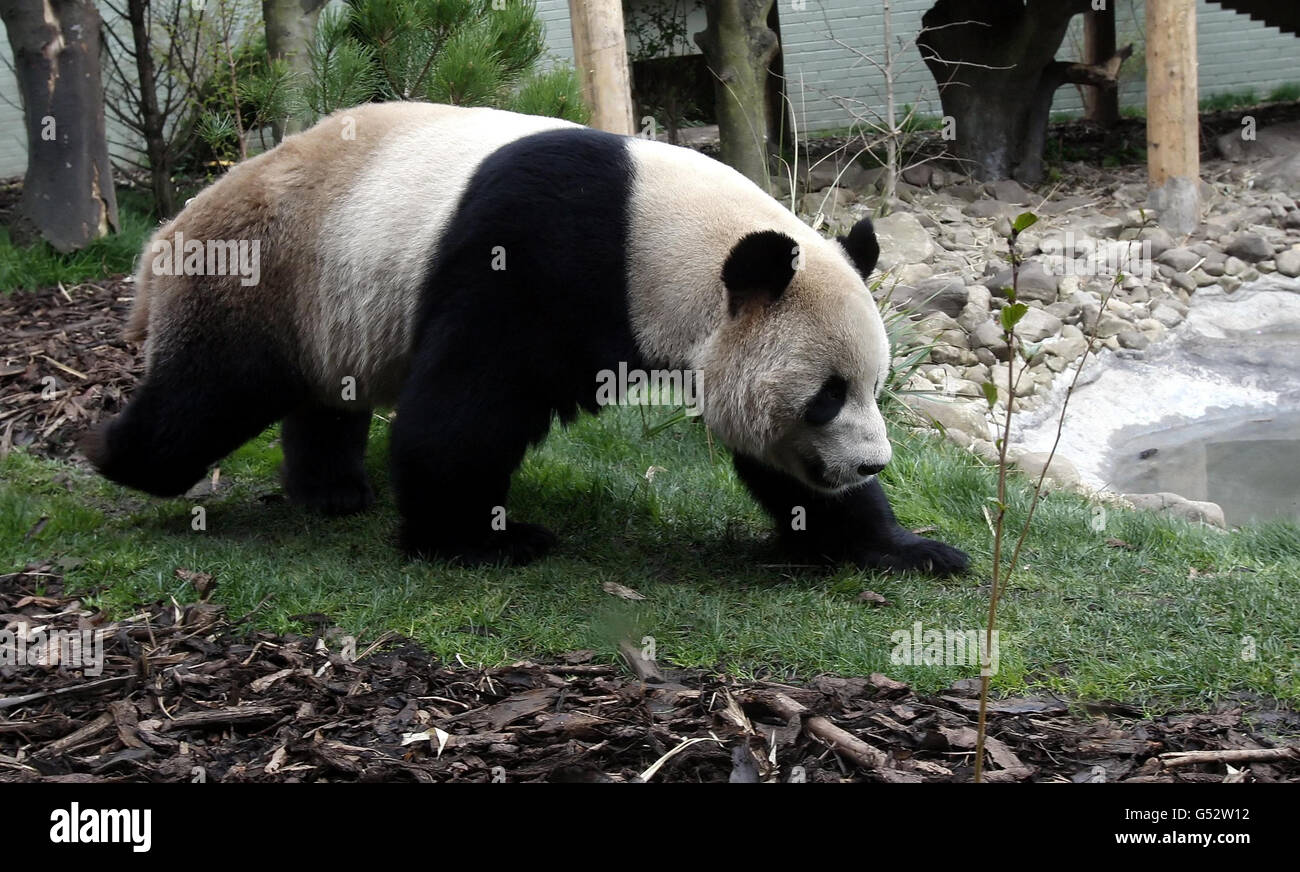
857	526
324	459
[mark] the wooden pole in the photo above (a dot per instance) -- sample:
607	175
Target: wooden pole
1101	103
1173	130
600	54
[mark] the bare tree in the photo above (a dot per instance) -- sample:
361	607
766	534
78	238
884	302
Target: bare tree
68	197
153	81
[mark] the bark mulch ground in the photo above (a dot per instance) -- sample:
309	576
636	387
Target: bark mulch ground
185	692
63	364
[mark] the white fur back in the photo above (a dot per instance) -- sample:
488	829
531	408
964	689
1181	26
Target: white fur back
375	250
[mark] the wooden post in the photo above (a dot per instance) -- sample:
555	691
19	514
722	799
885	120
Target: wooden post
600	54
1173	129
1101	103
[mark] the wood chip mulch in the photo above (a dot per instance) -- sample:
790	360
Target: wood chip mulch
64	365
183	692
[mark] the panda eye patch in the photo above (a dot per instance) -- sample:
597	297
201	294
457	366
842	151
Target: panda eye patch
828	401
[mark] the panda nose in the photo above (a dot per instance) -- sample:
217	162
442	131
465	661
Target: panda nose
867	469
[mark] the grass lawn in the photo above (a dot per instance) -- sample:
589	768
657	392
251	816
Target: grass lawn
1083	617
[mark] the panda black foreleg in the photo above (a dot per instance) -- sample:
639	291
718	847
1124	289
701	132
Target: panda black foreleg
198	403
856	526
460	433
324	459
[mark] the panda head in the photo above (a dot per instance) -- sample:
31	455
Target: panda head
792	374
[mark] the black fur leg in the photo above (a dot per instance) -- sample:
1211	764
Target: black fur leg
324	460
462	428
198	403
856	526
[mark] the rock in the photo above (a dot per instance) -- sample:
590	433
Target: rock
988	336
953	354
1134	339
1037	325
1152	329
1066	348
1184	281
1233	266
1159	238
1269	141
1250	247
902	240
1066	310
1034	283
1109	325
990	209
1202	278
1009	191
828	173
1288	262
1279	174
1181	259
829	201
1179	507
1024	381
968	417
940	294
1062	472
976	311
919	174
1167	315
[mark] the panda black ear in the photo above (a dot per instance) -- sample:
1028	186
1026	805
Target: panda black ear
759	268
862	247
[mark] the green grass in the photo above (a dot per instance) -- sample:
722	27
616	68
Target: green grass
40	266
1229	100
1082	618
1285	93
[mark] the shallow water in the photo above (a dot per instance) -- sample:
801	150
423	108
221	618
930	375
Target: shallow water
1247	461
1212	413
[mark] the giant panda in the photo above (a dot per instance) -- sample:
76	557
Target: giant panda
476	268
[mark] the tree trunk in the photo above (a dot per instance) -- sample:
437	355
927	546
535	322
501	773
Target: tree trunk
1101	103
994	62
68	196
739	46
600	53
151	119
290	32
1173	143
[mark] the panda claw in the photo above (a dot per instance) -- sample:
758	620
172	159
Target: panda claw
921	555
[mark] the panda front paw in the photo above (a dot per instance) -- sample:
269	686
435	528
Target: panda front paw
916	554
341	497
517	545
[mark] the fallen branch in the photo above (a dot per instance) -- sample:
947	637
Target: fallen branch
866	756
1175	759
88	687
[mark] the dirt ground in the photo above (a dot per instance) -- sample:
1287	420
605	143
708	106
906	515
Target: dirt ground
185	692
